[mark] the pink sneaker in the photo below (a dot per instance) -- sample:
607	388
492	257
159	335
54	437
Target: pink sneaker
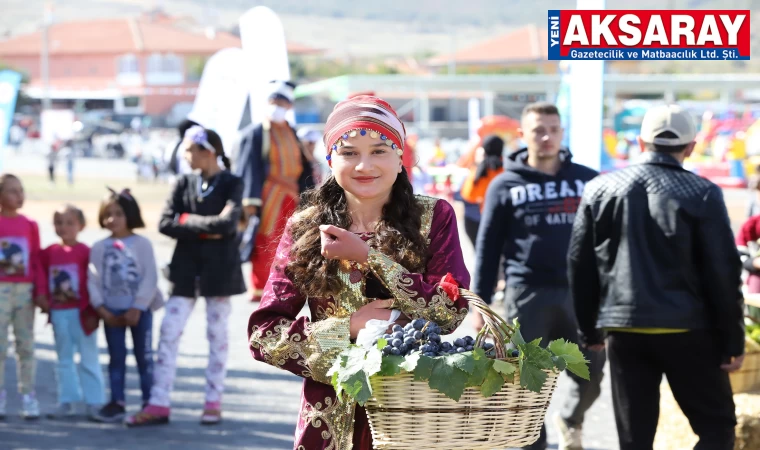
212	413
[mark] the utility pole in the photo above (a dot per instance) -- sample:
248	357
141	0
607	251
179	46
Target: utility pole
47	20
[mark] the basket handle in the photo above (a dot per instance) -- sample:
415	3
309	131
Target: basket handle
495	325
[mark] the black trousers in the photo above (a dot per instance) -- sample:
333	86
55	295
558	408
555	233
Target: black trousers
691	362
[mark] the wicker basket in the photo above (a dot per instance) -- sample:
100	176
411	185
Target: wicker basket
747	379
407	414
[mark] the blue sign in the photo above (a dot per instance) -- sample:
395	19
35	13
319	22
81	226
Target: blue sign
9	84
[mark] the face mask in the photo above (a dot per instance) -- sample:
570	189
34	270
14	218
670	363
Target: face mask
277	113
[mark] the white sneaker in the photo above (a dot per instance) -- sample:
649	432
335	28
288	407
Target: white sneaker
92	411
569	437
63	411
30	409
2	405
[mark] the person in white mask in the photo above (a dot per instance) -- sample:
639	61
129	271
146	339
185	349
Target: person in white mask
275	172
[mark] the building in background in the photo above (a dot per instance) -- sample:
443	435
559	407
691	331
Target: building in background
137	66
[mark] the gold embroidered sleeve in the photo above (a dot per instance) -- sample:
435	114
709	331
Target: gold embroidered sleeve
415	297
325	339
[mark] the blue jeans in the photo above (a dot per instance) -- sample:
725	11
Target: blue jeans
143	351
70	338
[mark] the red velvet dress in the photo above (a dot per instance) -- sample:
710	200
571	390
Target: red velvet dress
308	347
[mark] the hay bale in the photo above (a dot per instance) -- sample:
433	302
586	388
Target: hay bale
674	431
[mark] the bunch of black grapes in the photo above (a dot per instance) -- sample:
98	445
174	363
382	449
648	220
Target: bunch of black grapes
424	336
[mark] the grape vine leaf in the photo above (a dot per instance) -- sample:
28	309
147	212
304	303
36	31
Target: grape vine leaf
559	363
410	362
481	365
358	387
492	383
531	377
447	379
461	361
424	368
381	343
541	357
572	357
517	337
504	368
391	365
532	360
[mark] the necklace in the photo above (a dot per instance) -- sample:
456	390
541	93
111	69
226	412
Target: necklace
203	188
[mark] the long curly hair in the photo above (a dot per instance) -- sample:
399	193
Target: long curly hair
397	234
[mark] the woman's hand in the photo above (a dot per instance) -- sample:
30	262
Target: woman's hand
378	309
338	243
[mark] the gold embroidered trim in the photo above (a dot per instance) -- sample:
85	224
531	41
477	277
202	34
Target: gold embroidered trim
428	203
325	339
440	309
280	346
337	418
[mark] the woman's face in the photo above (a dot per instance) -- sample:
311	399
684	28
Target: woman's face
366	167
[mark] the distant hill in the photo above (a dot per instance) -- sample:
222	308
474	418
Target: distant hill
357	28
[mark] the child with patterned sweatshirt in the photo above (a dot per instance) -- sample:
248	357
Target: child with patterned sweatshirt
123	286
74	320
22	286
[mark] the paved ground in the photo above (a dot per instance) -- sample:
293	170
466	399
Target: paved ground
261	403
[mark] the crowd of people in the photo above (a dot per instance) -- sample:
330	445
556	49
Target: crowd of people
639	266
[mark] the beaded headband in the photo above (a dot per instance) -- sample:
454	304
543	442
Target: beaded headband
364	115
363	132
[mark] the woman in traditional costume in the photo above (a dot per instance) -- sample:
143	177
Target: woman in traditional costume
359	246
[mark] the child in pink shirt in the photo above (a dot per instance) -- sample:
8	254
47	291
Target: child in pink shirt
22	285
74	319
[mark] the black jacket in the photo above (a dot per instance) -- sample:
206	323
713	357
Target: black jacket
213	263
652	247
527	218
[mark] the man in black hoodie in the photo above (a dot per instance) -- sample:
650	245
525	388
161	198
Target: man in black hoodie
527	219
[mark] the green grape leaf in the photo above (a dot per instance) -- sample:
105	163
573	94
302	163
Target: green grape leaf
358	387
538	356
481	365
410	362
424	368
559	363
462	361
531	376
447	379
381	343
391	365
504	367
517	337
492	383
349	375
572	357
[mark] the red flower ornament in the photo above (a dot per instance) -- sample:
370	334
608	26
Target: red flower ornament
450	286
